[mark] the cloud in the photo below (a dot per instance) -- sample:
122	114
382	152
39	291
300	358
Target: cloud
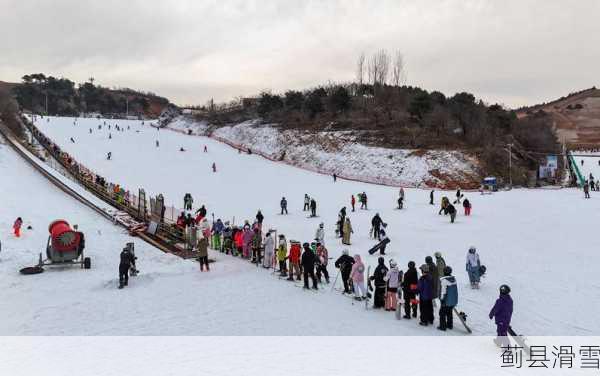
512	52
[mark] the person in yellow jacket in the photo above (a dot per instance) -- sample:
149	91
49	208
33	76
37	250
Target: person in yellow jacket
282	255
347	231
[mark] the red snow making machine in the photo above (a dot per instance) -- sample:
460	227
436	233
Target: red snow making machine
65	246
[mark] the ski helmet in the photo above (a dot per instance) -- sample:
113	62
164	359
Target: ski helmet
411	264
321	225
437	254
504	290
447	271
472	249
392	263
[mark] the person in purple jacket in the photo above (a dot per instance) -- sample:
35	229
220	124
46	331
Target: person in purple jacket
425	289
502	312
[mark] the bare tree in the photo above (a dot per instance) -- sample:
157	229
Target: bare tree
360	69
398	69
378	67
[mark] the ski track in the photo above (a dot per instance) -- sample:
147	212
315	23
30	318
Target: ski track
537	241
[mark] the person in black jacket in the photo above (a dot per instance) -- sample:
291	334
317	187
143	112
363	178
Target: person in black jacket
450	209
127	260
376	223
313	207
202	211
344	263
260	217
308	265
409	287
378	278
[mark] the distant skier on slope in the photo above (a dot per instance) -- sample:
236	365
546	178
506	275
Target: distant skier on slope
214	167
322	260
502	313
17	227
467	207
313	207
283	204
353	202
431	197
108	156
306	202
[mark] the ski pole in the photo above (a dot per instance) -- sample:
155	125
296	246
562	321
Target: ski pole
335	279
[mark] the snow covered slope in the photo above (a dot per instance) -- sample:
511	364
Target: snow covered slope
340	152
590	163
537	241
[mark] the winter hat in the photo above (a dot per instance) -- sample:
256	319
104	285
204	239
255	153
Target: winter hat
392	263
447	271
226	223
472	249
381	261
321	225
428	260
424	268
437	254
411	264
504	290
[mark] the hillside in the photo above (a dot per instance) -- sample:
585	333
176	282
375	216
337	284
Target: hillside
575	118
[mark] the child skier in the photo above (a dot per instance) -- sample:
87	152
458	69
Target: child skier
358	278
17	227
502	312
473	267
392	279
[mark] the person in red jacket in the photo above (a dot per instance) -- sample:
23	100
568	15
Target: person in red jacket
17	227
294	258
353	202
467	206
238	239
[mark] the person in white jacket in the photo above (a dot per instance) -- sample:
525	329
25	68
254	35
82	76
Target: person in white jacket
269	250
473	267
320	234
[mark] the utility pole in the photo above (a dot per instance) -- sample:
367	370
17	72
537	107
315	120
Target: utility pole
510	165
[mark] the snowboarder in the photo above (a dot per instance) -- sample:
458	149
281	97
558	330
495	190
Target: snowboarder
435	276
392	279
467	206
424	287
353	202
358	278
320	234
458	196
214	167
448	299
347	231
586	189
322	260
127	259
282	255
502	313
452	211
409	289
313	207
306	202
473	267
203	252
376	226
108	156
308	266
283	205
431	197
17	227
378	278
334	177
344	263
269	250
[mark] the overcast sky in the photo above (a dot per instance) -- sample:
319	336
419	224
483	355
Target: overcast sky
511	52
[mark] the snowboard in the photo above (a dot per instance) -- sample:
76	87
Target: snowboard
379	245
519	339
462	317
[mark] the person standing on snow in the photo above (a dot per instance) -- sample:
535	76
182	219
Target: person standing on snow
440	263
450	209
409	288
393	278
424	286
282	255
247	241
17	227
322	260
378	278
353	202
256	245
126	261
358	278
473	267
502	312
363	201
306	202
345	263
227	238
217	230
586	189
347	228
308	266
334	177
313	207
203	252
259	217
269	250
283	204
294	259
431	197
320	234
376	226
458	196
214	167
467	206
448	299
435	276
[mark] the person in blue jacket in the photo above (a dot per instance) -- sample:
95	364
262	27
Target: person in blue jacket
425	289
502	312
448	299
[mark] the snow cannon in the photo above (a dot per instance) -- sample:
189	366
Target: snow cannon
65	246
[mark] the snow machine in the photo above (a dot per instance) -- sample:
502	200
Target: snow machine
65	246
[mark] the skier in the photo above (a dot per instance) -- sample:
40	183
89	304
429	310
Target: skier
376	223
259	217
448	299
347	231
205	149
502	312
217	230
108	156
320	234
214	167
126	261
435	276
592	184
353	202
344	263
473	267
400	202
282	255
227	238
157	143
467	206
203	252
269	250
586	189
424	287
247	240
334	177
313	207
256	245
440	263
308	266
431	197
17	227
392	279
109	135
458	196
452	211
378	278
283	205
322	260
358	278
383	237
72	140
306	202
363	201
294	259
